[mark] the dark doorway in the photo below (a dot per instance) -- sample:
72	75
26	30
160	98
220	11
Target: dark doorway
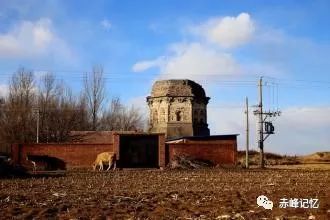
47	163
138	151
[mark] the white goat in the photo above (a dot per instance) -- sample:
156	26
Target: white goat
33	164
9	161
105	157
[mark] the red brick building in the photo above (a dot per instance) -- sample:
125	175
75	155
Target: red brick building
133	150
219	149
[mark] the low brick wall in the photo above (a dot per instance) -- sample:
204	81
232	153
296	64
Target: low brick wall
80	154
219	152
74	155
161	150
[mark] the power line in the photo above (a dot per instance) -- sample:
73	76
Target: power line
82	72
77	76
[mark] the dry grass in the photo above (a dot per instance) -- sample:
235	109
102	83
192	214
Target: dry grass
272	159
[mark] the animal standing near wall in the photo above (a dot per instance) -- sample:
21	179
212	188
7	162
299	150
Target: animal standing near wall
105	157
33	163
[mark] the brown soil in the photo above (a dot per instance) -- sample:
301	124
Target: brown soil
211	193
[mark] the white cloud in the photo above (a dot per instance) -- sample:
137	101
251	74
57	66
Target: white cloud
297	130
147	64
32	39
106	24
204	59
191	60
227	31
4	89
195	61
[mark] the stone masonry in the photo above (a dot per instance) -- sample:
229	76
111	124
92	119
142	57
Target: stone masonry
178	108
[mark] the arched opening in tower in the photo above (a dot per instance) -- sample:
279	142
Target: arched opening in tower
178	116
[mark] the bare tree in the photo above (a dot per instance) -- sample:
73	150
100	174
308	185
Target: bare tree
82	114
110	119
94	88
119	117
48	95
132	119
18	114
60	110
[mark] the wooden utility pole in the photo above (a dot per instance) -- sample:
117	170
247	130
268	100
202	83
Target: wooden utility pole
247	133
38	115
269	128
37	111
261	127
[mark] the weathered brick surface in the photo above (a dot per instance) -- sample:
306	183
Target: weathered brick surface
83	154
219	153
161	149
74	155
116	139
79	154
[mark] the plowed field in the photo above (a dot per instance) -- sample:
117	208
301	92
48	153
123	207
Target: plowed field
170	194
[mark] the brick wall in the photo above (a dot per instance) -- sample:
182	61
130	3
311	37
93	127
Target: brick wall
161	150
74	155
84	154
78	154
219	152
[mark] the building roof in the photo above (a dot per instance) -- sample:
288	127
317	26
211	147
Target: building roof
177	88
91	137
210	137
102	137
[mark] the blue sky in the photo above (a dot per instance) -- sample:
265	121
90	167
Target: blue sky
224	45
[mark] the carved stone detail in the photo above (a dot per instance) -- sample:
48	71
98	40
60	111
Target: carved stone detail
178	105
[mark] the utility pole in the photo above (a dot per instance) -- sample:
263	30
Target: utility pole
37	110
269	128
247	133
261	127
38	114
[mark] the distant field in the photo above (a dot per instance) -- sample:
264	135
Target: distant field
315	166
211	193
317	160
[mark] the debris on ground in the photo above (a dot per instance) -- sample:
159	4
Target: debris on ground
185	162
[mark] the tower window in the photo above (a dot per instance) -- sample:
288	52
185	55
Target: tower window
178	115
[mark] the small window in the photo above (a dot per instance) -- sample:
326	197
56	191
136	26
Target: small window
179	116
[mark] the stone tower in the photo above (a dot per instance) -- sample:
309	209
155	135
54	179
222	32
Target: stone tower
178	108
